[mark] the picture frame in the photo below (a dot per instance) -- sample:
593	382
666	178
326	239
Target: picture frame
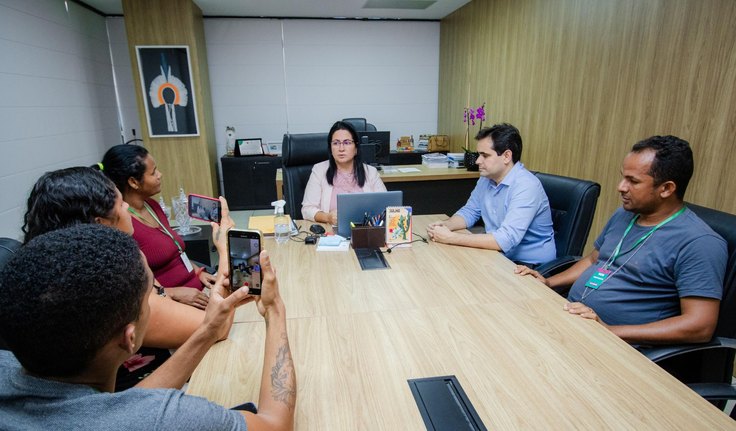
168	90
249	146
272	148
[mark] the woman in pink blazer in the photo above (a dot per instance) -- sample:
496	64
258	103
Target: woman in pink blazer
343	172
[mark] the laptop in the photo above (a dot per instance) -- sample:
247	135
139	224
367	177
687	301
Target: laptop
351	207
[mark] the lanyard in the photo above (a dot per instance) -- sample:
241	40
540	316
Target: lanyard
617	250
155	217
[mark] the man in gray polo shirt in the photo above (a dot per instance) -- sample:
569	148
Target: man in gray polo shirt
656	272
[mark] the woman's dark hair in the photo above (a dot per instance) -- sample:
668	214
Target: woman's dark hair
124	161
65	198
358	168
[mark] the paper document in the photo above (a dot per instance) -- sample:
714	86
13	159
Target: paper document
333	243
265	224
407	170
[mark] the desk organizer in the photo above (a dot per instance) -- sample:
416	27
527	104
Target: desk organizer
368	236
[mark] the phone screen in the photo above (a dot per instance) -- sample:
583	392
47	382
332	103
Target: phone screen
204	208
244	248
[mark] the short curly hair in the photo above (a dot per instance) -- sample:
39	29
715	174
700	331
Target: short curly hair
67	197
66	293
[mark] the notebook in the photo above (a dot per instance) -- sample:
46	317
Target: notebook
352	207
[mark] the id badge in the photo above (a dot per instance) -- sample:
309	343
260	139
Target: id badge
599	276
186	262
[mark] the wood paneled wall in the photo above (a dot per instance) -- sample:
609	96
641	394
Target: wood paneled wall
584	80
188	161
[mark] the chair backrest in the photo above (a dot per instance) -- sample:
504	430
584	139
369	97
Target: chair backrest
360	124
573	203
725	225
8	247
299	152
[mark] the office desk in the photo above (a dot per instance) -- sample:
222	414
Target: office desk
429	191
357	336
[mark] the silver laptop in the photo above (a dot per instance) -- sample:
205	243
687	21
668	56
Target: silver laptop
352	207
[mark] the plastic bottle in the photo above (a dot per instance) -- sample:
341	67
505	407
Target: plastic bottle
280	222
165	209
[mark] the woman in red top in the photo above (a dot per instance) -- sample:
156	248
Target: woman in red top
134	172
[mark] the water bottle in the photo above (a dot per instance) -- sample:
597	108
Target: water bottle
164	208
280	222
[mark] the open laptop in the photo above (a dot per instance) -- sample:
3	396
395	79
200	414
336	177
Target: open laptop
351	207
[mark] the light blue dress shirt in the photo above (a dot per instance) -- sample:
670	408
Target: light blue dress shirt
517	213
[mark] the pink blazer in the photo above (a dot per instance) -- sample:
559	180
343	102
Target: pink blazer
318	193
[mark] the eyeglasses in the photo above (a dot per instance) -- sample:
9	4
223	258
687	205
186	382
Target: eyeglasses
345	143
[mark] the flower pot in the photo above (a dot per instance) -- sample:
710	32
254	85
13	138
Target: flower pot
470	158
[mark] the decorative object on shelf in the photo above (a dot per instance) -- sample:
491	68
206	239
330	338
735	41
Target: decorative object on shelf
470	116
180	206
229	140
168	93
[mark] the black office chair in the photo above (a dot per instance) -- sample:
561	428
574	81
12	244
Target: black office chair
573	203
708	367
360	124
299	153
8	248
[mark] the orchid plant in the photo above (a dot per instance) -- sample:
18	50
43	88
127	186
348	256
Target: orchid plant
470	116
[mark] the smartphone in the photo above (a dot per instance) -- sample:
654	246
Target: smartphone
244	256
204	208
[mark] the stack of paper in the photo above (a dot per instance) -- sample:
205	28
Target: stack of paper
333	243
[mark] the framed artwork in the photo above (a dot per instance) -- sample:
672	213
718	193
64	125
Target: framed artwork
168	91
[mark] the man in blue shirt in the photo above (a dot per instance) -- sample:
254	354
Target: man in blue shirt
509	198
656	272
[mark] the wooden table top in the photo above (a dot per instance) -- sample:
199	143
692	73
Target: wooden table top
357	336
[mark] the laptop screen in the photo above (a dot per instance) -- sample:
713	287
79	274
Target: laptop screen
352	207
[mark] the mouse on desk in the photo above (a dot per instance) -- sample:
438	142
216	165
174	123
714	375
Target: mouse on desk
317	229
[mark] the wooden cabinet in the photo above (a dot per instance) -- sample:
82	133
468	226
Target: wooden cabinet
250	181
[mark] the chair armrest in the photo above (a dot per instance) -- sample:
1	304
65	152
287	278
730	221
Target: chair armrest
557	265
714	391
660	353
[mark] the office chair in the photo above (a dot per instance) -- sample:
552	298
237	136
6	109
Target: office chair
8	248
707	368
299	153
573	203
360	124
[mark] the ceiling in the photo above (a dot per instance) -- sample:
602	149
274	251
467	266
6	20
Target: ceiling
385	9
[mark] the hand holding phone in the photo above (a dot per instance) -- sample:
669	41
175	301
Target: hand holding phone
204	208
244	250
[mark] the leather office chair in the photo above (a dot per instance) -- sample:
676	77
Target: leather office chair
360	124
708	367
573	203
8	247
299	153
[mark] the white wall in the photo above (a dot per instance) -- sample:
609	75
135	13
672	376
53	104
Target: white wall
325	70
57	107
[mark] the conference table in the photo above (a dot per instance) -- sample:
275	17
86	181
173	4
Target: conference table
524	363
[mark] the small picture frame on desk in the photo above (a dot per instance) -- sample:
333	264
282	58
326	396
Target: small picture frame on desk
248	147
272	148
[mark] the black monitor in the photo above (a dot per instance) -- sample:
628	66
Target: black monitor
381	141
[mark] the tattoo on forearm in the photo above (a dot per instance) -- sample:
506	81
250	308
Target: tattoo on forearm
283	376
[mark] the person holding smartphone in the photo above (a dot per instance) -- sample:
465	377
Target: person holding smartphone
343	172
83	195
134	172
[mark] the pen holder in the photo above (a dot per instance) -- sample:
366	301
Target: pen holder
368	236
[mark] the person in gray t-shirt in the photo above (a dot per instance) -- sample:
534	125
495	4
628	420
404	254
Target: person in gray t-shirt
656	272
71	324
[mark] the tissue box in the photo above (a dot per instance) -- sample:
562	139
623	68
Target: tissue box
368	236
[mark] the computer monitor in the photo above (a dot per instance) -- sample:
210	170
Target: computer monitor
381	141
352	207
